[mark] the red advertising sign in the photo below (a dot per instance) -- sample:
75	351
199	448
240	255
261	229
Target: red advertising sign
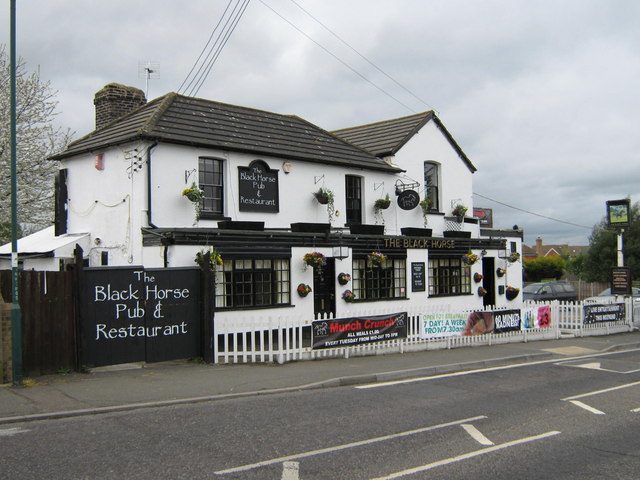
343	332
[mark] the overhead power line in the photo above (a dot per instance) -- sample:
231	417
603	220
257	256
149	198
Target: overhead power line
340	60
204	49
344	42
532	213
214	49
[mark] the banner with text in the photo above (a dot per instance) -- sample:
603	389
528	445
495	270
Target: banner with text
507	321
454	324
434	325
614	312
343	332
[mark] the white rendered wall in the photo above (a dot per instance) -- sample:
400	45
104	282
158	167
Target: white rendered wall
430	144
108	203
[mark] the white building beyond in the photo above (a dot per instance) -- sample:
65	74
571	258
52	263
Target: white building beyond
120	197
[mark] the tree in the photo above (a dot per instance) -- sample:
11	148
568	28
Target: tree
576	266
544	267
37	139
603	248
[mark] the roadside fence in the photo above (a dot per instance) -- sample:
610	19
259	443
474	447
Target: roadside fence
282	338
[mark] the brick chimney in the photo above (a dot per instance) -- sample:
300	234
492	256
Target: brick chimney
539	245
115	101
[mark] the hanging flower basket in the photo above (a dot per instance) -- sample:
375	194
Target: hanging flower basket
470	258
382	203
500	272
426	204
511	292
324	196
195	196
376	259
513	257
315	260
209	257
459	211
477	277
193	193
348	296
303	290
482	291
344	278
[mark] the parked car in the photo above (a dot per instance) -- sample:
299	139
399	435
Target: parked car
606	297
550	291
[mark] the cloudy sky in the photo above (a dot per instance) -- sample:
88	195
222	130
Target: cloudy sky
541	95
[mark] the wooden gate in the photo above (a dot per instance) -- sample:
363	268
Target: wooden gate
47	304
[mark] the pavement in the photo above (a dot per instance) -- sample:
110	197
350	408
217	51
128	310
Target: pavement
137	386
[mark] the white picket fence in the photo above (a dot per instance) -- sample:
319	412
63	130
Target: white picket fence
570	319
285	338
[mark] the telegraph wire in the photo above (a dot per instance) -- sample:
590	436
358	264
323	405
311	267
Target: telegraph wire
215	48
344	42
204	48
340	60
228	33
532	213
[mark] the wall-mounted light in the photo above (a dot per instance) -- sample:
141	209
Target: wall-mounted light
286	167
340	252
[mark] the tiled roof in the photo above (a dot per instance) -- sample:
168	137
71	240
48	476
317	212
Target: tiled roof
385	138
184	120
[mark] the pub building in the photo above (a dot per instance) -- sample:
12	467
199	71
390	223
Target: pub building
385	210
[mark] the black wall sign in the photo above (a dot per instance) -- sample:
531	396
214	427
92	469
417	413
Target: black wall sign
344	332
258	188
133	315
417	277
408	200
614	312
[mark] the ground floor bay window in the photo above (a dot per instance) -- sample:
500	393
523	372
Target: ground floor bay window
449	276
247	283
384	282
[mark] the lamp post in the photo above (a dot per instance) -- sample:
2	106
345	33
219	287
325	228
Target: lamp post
16	320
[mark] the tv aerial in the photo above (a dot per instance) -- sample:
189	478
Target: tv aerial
148	70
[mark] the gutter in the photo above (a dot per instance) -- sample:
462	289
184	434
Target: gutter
149	216
167	238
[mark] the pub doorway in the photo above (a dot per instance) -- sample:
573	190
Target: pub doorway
488	282
324	290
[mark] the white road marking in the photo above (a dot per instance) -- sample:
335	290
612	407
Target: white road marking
345	446
476	434
290	471
448	461
587	407
598	366
592	365
9	432
635	410
598	392
483	370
